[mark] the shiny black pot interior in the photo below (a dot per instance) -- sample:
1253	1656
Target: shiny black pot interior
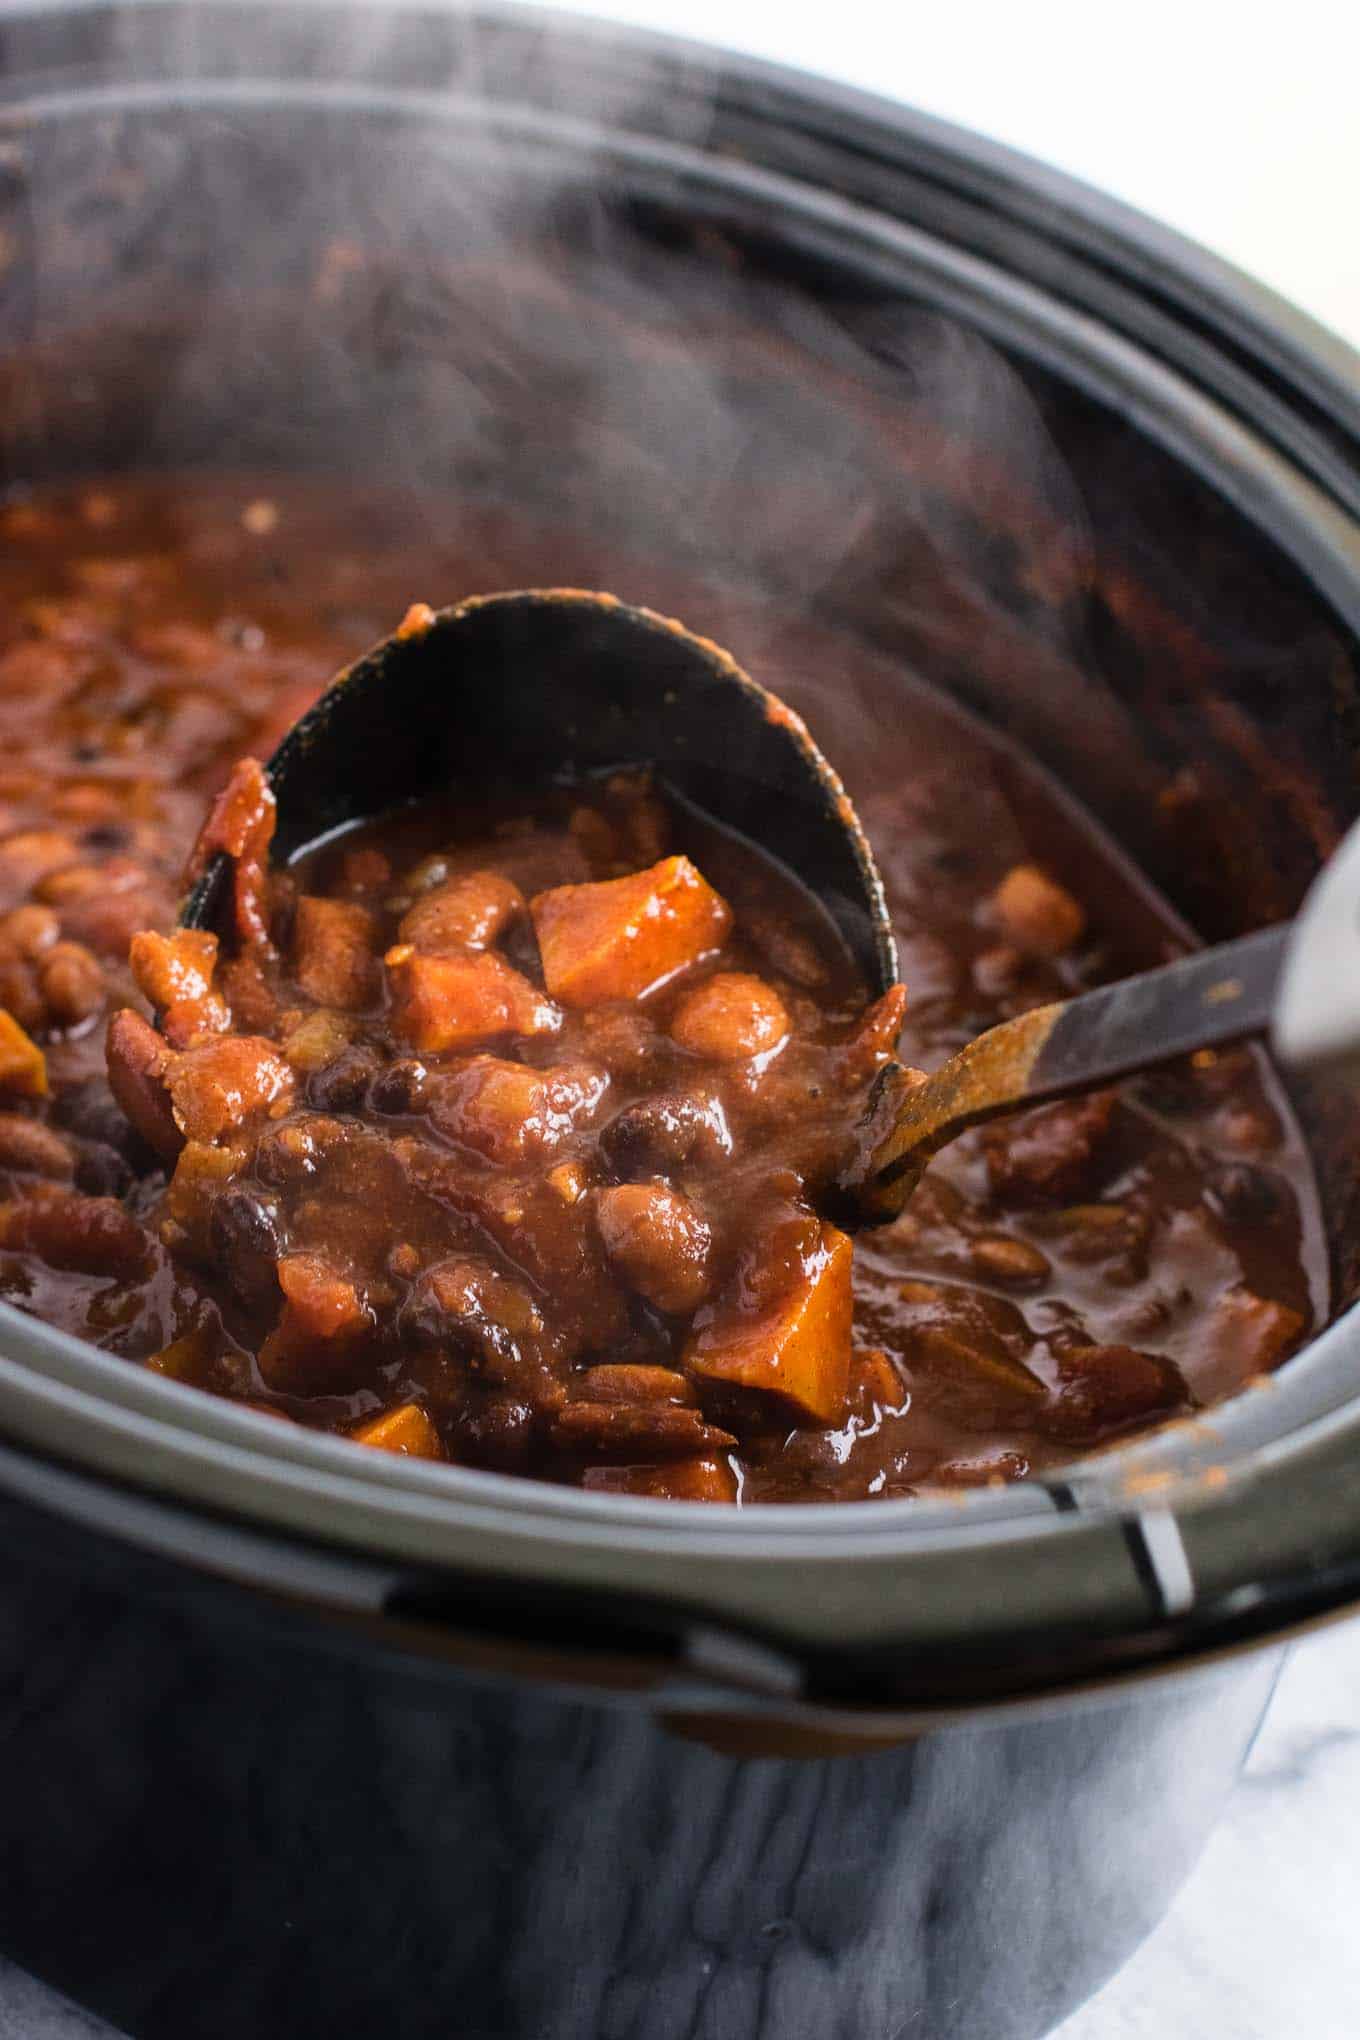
810	354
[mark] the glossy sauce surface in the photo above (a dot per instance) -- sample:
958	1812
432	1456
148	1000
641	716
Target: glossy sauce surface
1058	1282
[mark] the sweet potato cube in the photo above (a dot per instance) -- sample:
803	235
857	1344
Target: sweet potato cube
23	1066
683	1480
463	1001
511	1113
797	1347
220	1084
406	1429
322	1302
333	952
622	937
170	968
1039	915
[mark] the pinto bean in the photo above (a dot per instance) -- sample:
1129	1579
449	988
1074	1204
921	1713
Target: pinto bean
87	1235
469	912
31	1148
71	980
138	1063
657	1242
730	1017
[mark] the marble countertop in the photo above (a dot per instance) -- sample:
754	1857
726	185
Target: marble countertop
1261	1942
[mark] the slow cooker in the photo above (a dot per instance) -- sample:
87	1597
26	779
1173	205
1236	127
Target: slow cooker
298	1744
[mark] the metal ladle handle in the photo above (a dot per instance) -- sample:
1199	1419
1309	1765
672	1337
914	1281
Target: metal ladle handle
1316	1022
1299	982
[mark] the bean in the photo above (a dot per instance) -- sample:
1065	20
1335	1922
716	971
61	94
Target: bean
1007	1260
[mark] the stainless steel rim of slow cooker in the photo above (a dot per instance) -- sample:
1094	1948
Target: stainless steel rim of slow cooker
1112	1556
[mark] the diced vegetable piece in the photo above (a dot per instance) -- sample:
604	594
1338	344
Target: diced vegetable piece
222	1083
1037	914
173	967
471	912
620	938
463	1001
319	1037
509	1112
189	1357
877	1382
175	973
797	1347
682	1480
730	1017
191	1199
323	1301
333	952
657	1243
406	1429
23	1066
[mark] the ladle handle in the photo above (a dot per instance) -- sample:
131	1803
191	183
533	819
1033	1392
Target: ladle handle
1217	996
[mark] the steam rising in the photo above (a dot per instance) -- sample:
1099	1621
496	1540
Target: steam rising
472	263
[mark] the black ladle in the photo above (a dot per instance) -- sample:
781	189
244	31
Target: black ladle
520	689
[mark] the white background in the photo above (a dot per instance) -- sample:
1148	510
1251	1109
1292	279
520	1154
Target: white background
1240	125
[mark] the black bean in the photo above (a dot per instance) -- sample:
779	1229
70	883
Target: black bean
662	1132
342	1084
1243	1194
244	1234
400	1087
101	1171
90	1111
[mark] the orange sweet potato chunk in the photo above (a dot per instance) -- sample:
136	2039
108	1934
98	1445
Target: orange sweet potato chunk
23	1067
706	1479
441	1002
622	937
322	1301
221	1083
406	1429
797	1347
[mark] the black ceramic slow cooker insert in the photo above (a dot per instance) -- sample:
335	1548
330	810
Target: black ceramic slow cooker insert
297	1742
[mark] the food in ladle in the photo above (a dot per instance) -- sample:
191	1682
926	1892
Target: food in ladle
1058	1281
484	1117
